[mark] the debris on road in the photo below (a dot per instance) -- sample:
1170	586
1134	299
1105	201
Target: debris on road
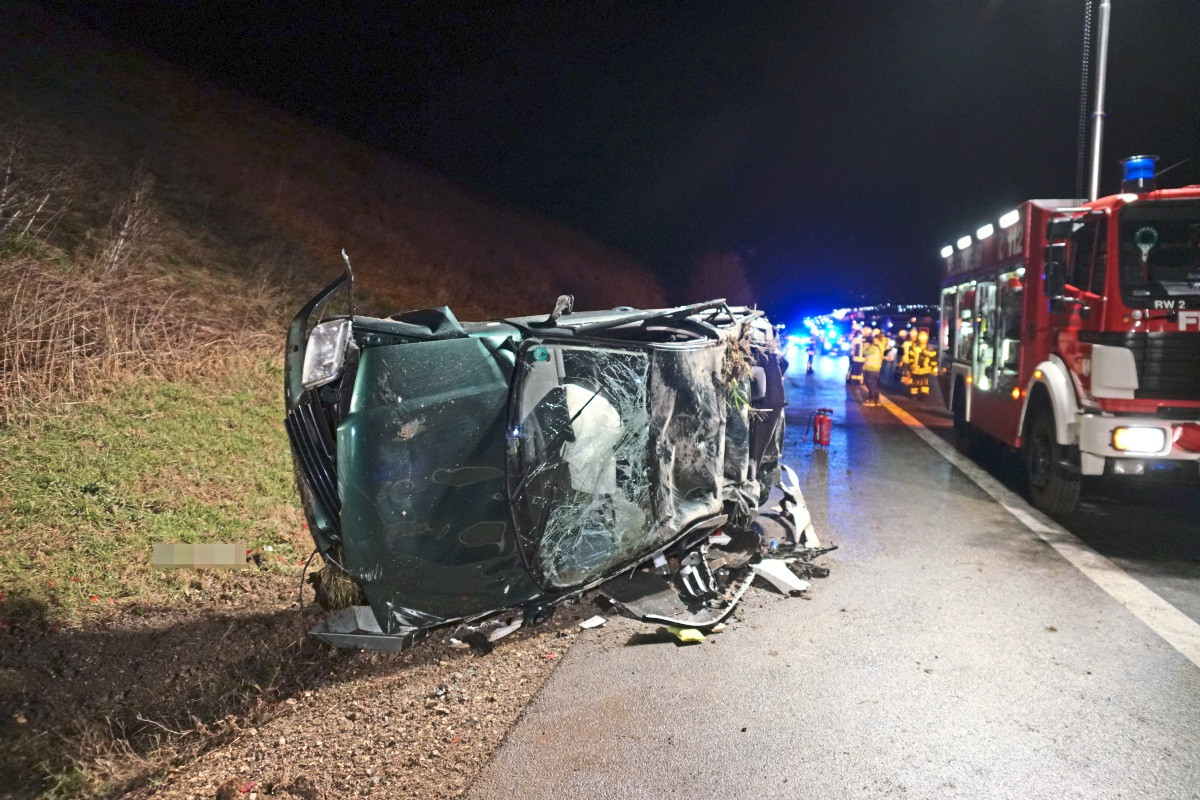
593	622
499	633
776	572
796	510
686	635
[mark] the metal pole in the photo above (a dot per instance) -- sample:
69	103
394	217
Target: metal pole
1098	115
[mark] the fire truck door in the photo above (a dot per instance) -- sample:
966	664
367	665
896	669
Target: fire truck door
1082	306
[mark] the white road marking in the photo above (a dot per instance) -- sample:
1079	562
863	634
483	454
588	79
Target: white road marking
1176	628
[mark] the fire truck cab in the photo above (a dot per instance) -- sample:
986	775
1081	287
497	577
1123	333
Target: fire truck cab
1072	332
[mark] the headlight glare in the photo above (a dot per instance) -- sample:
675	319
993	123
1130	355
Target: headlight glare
1139	440
325	353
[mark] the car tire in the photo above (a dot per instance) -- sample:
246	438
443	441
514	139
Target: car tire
1053	488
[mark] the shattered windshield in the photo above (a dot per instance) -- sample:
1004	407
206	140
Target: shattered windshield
615	452
582	444
1160	253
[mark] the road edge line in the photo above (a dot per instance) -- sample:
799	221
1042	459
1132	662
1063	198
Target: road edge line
1165	620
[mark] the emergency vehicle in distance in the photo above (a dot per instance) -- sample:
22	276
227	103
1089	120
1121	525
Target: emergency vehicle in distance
1072	332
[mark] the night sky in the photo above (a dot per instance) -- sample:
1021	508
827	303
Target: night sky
835	145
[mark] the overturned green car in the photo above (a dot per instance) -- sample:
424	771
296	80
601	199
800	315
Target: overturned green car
454	470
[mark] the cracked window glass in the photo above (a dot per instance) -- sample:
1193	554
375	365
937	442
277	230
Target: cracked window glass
580	444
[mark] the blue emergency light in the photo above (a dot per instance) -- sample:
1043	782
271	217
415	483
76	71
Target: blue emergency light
1138	174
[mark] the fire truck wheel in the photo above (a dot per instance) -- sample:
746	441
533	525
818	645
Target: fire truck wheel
1053	487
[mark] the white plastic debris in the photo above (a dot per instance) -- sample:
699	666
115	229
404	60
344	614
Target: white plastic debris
500	633
720	539
455	644
593	622
794	505
776	572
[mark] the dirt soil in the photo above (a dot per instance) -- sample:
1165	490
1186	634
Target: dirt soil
416	726
231	698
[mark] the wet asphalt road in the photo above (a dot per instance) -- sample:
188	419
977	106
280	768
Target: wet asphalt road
1152	531
950	654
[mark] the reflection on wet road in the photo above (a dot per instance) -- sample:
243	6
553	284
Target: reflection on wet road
1151	530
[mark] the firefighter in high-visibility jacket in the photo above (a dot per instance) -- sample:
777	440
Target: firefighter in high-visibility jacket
924	365
907	357
856	358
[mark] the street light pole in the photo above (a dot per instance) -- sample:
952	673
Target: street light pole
1098	114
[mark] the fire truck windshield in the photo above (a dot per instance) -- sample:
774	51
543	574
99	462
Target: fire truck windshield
1160	254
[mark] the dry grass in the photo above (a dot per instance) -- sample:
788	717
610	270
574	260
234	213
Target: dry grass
65	334
86	308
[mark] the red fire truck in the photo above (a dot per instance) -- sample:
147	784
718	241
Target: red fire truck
1072	332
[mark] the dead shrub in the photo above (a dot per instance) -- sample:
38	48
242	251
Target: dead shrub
65	335
33	194
132	224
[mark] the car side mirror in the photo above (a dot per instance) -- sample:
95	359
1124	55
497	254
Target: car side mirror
1056	277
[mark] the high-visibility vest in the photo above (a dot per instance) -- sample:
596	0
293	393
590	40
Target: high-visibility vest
873	358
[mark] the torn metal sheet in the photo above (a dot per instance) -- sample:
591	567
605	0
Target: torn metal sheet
653	598
356	628
453	470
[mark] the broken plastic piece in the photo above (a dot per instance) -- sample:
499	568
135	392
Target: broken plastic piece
500	633
793	505
686	635
778	574
356	627
593	622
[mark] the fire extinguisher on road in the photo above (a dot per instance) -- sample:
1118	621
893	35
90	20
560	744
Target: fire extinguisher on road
823	426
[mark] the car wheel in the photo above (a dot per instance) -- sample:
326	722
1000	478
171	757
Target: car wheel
1053	488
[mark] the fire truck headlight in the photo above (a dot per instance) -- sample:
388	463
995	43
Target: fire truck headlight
1139	440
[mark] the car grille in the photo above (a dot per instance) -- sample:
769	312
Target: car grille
1168	364
313	446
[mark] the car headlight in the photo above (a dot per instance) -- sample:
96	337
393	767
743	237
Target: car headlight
325	353
1139	440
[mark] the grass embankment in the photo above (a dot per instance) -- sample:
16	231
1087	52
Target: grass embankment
86	494
140	402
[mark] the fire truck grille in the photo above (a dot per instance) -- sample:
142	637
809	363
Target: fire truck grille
1168	364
